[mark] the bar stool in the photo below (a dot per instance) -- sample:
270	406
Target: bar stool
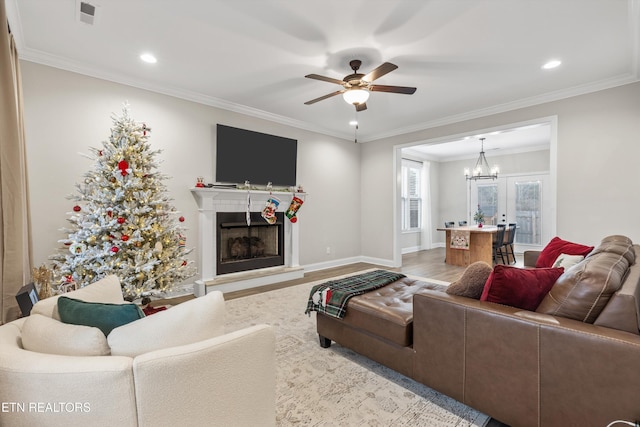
509	238
498	243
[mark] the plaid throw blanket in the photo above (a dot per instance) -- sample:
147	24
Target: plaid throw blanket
331	297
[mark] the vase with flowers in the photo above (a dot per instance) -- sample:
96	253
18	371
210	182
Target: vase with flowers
478	217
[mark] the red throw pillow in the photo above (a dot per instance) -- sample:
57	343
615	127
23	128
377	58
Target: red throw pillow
519	287
557	246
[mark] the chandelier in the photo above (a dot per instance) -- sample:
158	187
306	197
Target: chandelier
482	169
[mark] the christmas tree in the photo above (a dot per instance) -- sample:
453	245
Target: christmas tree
123	222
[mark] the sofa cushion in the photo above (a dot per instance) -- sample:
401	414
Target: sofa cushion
194	320
558	246
43	334
567	261
107	289
387	312
584	290
623	309
471	283
104	316
518	287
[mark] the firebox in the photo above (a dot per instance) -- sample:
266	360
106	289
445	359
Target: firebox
242	247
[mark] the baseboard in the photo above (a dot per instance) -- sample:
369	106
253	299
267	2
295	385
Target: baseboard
331	264
346	261
379	261
410	250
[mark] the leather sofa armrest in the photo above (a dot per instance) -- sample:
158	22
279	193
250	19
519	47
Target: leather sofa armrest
530	258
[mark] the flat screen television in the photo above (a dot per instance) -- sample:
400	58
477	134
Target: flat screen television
244	155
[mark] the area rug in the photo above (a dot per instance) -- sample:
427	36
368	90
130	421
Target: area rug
336	386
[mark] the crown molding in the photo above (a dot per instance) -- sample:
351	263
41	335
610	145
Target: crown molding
54	61
514	105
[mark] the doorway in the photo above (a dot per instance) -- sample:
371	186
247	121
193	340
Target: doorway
432	148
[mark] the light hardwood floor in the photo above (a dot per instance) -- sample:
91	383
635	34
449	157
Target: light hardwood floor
428	264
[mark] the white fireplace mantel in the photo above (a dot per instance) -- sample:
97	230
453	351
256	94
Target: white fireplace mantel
213	200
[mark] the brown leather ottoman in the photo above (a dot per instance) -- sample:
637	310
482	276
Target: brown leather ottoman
378	324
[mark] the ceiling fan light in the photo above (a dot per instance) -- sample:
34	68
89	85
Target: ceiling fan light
356	96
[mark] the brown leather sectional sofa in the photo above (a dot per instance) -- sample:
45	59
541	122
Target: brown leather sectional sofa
521	367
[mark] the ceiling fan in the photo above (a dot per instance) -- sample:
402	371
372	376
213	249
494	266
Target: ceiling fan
356	87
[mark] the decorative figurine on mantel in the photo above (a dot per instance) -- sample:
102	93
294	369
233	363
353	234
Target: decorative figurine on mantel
200	182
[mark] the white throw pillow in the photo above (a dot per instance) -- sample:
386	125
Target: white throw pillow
567	261
192	321
43	334
107	290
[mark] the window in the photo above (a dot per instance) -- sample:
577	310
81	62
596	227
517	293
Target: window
529	212
411	195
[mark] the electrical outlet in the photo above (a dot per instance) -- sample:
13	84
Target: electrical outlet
328	250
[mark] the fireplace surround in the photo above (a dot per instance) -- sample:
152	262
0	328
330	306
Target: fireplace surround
212	201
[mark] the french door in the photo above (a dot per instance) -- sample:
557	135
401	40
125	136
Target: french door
523	199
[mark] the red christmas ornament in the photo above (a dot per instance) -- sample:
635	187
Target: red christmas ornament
181	219
115	249
77	208
121	220
184	263
69	279
123	166
109	213
100	153
124	237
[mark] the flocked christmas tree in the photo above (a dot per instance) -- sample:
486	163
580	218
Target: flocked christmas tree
123	222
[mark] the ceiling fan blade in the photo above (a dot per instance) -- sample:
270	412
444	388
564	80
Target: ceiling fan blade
383	69
361	107
393	89
324	79
313	101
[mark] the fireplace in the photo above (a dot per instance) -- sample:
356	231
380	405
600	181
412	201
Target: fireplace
242	247
211	202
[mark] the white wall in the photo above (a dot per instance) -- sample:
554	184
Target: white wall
66	113
597	158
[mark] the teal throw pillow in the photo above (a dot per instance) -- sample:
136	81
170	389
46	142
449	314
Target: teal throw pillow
103	316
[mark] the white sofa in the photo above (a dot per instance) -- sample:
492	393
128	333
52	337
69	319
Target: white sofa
175	367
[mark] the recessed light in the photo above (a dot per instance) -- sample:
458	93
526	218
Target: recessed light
552	64
148	58
353	122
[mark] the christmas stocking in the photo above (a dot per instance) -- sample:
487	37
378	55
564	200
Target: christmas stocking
294	206
269	211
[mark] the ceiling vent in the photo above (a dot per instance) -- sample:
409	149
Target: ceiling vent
86	12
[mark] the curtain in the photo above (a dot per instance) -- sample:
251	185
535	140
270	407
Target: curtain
15	224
